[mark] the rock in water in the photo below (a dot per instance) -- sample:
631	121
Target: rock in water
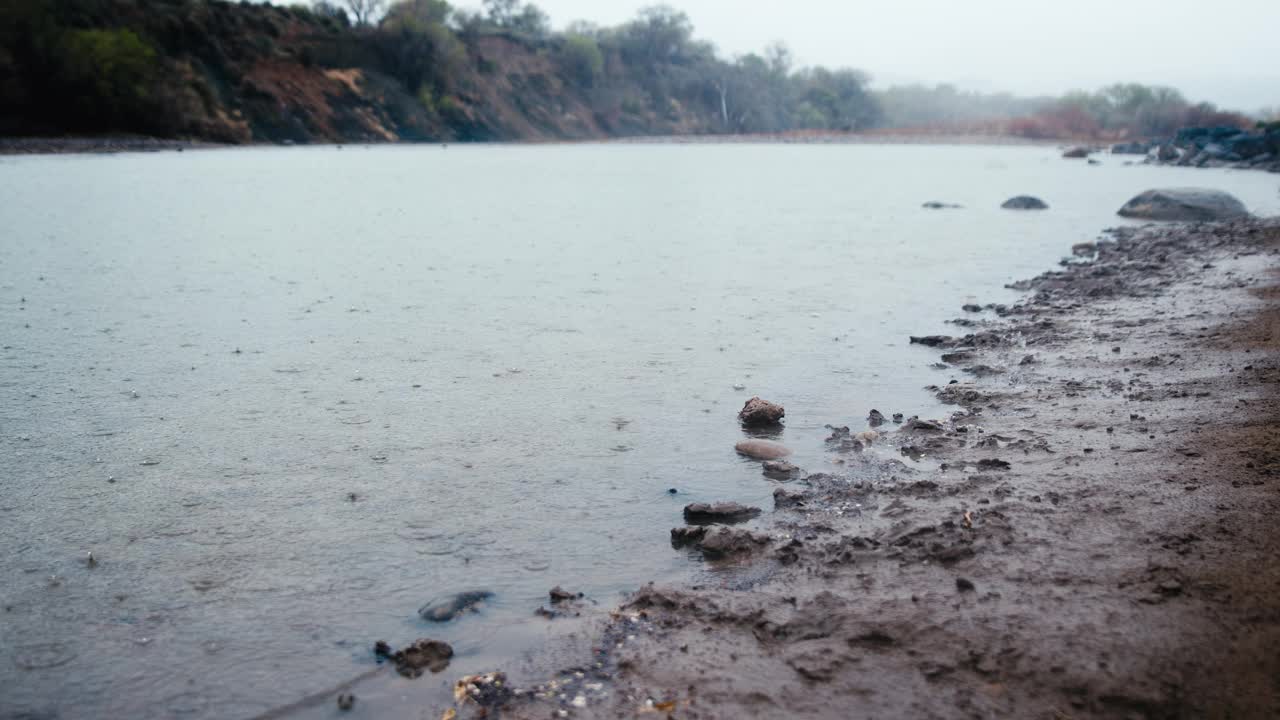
1025	202
447	608
1076	152
780	470
423	655
935	205
725	542
718	513
762	449
1186	204
559	595
757	412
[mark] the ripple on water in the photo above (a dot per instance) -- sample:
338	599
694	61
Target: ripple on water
170	529
433	541
188	703
205	583
353	584
227	535
41	656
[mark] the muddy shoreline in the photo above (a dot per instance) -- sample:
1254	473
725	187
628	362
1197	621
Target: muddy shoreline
1097	539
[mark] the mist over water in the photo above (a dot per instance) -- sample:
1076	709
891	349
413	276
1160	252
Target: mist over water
286	397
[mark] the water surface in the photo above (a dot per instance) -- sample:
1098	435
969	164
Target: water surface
285	397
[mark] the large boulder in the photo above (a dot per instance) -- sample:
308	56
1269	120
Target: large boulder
1076	152
762	449
1186	204
1025	202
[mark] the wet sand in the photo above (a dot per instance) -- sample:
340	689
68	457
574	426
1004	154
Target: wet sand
1098	539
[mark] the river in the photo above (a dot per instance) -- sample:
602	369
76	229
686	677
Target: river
285	397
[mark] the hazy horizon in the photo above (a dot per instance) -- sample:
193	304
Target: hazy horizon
997	45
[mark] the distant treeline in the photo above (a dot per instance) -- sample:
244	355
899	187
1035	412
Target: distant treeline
423	69
1119	111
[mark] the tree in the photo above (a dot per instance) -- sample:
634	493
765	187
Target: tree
417	47
364	12
583	58
501	12
330	10
779	58
660	34
111	70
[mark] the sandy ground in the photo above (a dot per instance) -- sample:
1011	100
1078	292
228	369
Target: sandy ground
1100	537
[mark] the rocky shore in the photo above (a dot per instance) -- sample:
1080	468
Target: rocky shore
68	145
1212	147
1091	532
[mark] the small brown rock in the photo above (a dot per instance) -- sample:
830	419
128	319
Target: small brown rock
423	655
559	595
780	470
757	412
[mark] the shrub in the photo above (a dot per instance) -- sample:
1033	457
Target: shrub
583	59
111	71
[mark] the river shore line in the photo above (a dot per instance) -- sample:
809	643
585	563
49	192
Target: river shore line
1091	534
128	144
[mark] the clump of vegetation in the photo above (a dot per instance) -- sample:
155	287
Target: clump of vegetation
1120	111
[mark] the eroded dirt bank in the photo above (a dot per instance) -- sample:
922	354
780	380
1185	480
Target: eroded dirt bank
1097	534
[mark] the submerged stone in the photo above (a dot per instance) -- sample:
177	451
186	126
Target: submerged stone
449	607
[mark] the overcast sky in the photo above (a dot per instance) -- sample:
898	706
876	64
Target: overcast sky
1225	52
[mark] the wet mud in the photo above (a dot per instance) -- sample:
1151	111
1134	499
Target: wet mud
1090	533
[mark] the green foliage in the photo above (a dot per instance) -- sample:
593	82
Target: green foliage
416	46
583	59
660	35
108	70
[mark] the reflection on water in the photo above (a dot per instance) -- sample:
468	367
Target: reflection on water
287	397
